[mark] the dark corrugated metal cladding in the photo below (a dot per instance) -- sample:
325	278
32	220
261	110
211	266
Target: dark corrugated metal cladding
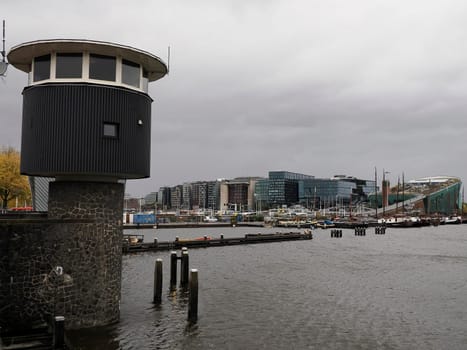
63	131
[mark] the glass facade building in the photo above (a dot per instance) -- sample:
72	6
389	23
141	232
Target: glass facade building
339	189
262	191
283	187
325	192
286	188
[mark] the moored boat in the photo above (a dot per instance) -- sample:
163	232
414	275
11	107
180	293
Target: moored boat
452	220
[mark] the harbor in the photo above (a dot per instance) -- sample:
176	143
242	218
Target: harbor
402	290
308	252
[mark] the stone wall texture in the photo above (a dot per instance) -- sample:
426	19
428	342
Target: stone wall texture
68	264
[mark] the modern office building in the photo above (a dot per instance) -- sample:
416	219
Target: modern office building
213	195
194	195
340	189
163	198
176	197
199	195
283	187
238	194
262	194
286	188
186	196
322	193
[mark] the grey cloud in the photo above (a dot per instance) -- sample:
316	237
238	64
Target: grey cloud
320	87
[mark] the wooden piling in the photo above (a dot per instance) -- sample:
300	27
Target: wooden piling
380	230
173	269
59	332
193	297
158	282
184	268
360	231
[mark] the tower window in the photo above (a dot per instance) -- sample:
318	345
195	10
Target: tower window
102	67
111	130
145	80
69	65
41	68
130	73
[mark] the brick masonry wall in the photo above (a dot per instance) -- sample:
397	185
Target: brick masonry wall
83	235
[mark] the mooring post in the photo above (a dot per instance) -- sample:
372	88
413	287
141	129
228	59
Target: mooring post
184	268
59	332
173	269
158	282
193	298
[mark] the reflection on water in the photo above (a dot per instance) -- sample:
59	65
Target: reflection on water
403	290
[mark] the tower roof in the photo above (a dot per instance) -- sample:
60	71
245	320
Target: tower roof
21	56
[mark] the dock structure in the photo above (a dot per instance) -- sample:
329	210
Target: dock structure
206	241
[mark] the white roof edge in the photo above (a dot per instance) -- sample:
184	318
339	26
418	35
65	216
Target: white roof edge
22	55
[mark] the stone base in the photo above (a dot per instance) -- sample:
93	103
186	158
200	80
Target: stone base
68	265
92	253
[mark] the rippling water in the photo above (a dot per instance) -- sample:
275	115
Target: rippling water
403	290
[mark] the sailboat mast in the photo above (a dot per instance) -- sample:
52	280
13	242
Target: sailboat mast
376	193
397	196
403	194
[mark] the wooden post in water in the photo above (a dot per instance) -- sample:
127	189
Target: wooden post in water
173	269
158	282
184	268
193	298
59	332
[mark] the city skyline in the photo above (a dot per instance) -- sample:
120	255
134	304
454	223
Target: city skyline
398	178
320	88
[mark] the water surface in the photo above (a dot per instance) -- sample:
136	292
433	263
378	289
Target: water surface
406	289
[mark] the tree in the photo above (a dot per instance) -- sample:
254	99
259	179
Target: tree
12	183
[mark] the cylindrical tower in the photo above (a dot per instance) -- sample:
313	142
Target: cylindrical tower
86	110
87	123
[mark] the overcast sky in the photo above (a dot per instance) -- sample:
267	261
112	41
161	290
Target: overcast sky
320	87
